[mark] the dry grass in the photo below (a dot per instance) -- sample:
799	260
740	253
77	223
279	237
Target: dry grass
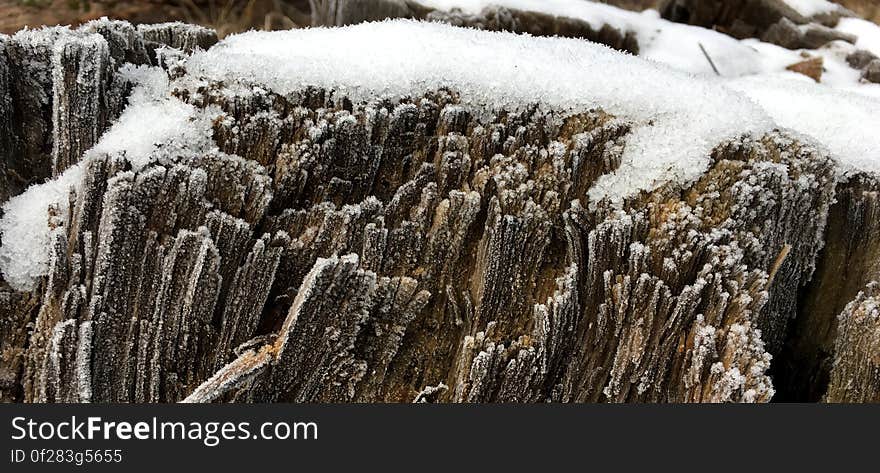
232	16
226	16
869	9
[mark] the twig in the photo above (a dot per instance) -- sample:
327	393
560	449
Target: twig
780	258
708	58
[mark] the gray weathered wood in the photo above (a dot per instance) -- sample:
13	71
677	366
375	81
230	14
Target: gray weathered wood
415	248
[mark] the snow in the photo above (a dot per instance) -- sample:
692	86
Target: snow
853	142
170	122
679	45
493	70
24	256
837	73
675	44
810	8
867	32
152	118
845	123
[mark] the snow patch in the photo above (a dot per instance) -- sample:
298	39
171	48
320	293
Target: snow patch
24	256
152	118
689	48
845	123
675	44
868	33
678	118
810	8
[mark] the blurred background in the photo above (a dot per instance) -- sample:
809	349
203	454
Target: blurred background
228	16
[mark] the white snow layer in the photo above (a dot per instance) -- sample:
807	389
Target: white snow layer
152	118
675	44
24	256
846	124
686	47
810	8
867	32
678	118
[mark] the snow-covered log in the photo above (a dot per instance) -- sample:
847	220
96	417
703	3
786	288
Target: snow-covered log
466	217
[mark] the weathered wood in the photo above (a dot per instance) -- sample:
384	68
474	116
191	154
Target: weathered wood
30	81
79	84
60	90
178	36
847	263
492	287
418	248
6	132
855	373
17	312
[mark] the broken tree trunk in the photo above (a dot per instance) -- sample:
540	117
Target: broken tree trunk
415	248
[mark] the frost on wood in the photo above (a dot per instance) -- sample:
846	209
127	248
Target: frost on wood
855	373
180	36
302	243
465	258
60	90
847	264
79	81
